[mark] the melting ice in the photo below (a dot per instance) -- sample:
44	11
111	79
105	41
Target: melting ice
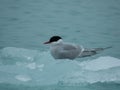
34	67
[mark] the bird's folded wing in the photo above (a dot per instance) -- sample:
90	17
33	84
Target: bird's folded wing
70	47
70	51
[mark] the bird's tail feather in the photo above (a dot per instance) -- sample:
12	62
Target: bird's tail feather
91	52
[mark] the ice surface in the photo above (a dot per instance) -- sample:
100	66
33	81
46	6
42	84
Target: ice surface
23	78
43	69
100	63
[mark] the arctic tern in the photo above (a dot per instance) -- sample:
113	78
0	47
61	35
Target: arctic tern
61	50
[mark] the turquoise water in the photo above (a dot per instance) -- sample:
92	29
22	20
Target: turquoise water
26	63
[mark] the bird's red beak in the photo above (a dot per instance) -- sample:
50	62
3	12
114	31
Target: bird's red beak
47	42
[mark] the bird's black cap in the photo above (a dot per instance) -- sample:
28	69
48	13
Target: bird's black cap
53	39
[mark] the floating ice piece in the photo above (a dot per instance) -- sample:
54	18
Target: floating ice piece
21	53
31	65
100	63
23	78
35	66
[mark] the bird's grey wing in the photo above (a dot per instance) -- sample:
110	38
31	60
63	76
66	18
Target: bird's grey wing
90	52
70	51
69	47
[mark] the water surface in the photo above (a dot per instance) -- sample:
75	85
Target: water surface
25	63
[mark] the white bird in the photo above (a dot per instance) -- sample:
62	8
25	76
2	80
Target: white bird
62	50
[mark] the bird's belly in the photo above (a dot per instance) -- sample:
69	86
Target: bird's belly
55	55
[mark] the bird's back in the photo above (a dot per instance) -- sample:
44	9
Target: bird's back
65	51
